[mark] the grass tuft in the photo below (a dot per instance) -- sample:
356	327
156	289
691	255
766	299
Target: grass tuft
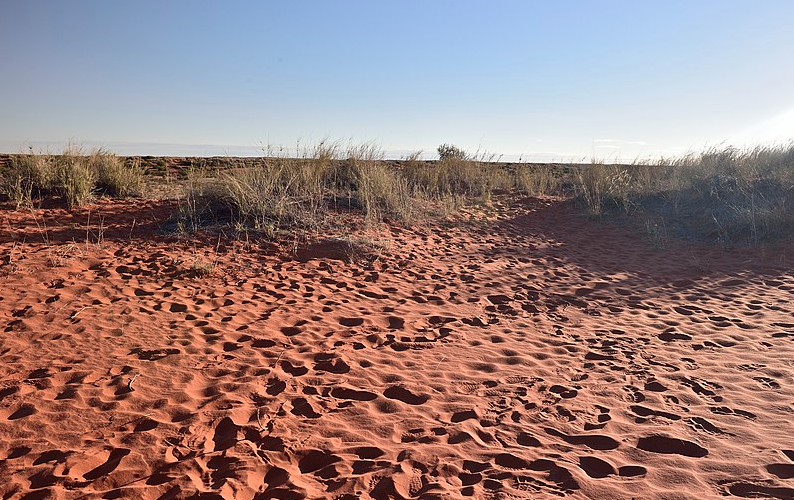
25	177
114	177
74	178
71	175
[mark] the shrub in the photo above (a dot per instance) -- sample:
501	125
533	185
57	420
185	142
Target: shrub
451	152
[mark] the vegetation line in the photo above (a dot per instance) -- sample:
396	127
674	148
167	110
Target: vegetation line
725	196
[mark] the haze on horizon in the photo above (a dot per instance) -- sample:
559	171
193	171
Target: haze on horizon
540	80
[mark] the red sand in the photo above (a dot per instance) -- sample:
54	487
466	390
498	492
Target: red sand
533	355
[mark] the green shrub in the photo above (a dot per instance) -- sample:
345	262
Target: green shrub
451	152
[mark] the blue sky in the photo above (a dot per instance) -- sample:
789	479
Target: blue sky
543	79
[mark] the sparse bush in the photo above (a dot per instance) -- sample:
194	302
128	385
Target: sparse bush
451	152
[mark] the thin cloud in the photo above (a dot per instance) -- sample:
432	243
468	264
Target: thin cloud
620	141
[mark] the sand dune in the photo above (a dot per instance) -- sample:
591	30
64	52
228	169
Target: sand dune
528	354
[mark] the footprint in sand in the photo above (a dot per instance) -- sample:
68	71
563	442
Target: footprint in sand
593	441
352	394
318	462
23	411
750	490
783	471
596	468
671	446
177	308
402	394
351	322
302	408
111	464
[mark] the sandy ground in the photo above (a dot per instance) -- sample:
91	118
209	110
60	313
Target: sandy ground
535	354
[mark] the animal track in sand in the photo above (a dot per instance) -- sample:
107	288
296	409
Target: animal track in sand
724	410
767	382
701	424
153	354
643	411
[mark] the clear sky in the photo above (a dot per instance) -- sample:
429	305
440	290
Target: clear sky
542	79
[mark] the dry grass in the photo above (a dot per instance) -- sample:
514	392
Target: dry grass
195	204
537	180
457	177
26	177
298	194
72	176
259	197
114	177
378	189
728	196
